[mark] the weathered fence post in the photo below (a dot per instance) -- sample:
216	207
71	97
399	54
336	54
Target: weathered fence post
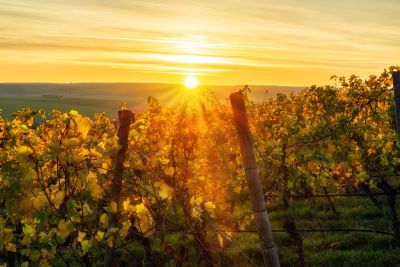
396	88
125	117
386	187
263	224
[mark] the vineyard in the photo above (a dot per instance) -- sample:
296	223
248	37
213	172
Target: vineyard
166	187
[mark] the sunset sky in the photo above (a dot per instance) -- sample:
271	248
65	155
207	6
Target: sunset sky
286	42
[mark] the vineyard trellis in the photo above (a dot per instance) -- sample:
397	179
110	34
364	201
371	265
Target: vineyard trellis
179	193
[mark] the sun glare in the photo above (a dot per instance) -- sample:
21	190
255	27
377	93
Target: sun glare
191	82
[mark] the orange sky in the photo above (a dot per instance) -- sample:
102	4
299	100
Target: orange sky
283	42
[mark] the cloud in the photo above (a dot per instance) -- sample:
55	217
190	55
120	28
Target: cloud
207	38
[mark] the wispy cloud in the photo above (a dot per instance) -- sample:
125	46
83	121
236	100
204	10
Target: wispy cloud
227	41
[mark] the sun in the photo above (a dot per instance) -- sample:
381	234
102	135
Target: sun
191	82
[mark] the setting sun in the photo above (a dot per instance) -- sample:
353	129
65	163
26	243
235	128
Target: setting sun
191	82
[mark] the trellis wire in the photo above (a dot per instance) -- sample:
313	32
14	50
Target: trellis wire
300	230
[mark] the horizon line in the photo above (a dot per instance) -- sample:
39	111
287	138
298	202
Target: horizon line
155	83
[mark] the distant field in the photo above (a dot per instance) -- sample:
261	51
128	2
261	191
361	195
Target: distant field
88	107
90	98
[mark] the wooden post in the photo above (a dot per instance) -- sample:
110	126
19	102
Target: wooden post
391	192
396	88
263	224
125	117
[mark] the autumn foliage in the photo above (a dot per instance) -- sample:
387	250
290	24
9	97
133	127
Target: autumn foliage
184	190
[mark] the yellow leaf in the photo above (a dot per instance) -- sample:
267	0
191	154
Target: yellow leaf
11	247
104	220
81	236
210	207
291	158
126	225
126	204
169	171
85	246
94	188
110	241
331	148
83	125
164	191
370	151
86	209
196	200
104	168
72	142
28	230
63	229
196	213
220	241
26	241
99	236
113	207
164	161
145	220
58	199
24	151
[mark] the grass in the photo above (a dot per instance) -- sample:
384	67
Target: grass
329	248
321	248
